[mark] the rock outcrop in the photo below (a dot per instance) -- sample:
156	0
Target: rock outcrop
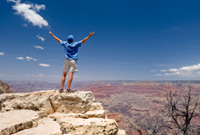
4	88
52	113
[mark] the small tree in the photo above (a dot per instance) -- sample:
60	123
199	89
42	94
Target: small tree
182	108
150	125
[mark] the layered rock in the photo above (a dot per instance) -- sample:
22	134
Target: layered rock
48	101
4	88
46	126
14	121
52	113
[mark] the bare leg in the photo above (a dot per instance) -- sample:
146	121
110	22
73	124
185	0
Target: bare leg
70	79
63	79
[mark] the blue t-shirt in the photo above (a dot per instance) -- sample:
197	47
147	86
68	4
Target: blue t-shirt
71	49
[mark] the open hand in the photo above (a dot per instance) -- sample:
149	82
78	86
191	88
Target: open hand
91	34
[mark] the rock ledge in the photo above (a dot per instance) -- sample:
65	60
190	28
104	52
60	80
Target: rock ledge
52	113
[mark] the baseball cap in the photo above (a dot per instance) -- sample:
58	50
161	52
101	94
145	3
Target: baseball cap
70	37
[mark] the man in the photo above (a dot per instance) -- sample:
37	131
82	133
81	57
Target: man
71	57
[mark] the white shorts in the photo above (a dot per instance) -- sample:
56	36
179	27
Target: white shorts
70	65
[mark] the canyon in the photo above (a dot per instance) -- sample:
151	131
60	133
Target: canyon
124	101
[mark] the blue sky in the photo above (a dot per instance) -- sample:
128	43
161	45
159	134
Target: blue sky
133	40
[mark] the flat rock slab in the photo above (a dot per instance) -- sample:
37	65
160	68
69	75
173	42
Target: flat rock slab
88	114
48	101
45	126
91	126
95	114
14	121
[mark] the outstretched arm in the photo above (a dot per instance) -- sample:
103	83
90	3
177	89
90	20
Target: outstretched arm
85	39
54	36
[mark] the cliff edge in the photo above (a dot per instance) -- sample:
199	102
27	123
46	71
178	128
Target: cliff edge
52	113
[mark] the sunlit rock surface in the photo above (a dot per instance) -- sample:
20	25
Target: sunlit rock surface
54	113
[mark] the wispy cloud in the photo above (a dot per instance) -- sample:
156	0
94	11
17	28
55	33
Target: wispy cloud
29	12
39	47
2	53
34	76
44	65
158	74
27	58
40	38
54	76
39	7
2	75
20	58
30	58
163	70
41	75
191	71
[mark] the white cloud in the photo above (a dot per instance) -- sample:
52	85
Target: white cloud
15	1
2	53
39	47
30	58
20	58
173	70
44	65
171	74
192	71
40	38
38	7
29	12
190	68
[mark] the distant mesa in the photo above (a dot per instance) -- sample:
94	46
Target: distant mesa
4	88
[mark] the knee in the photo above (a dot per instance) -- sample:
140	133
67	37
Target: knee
64	74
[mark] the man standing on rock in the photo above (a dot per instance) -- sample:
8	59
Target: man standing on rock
71	57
